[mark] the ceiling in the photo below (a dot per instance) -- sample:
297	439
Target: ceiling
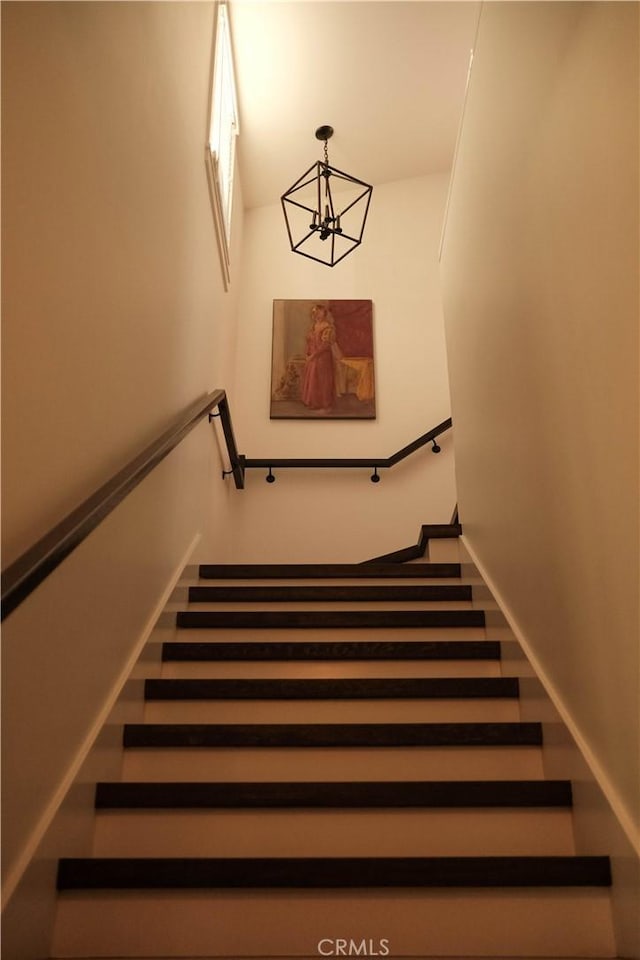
388	75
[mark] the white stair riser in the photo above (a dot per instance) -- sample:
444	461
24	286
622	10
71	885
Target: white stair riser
445	550
347	833
259	923
329	763
319	669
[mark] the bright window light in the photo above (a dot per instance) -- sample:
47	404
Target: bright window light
222	133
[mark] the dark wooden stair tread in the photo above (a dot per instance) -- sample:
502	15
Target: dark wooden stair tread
335	794
333	689
334	650
331	872
308	593
294	571
329	619
331	734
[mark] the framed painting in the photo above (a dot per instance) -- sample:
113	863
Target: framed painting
322	362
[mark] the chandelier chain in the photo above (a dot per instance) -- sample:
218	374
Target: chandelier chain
326	182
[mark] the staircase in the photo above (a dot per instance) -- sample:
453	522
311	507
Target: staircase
332	764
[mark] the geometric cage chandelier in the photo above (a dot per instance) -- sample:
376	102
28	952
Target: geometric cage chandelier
326	210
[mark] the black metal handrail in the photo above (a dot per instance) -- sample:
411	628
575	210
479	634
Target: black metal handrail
376	462
33	566
26	573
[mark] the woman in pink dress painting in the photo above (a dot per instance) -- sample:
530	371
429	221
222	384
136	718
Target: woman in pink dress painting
318	381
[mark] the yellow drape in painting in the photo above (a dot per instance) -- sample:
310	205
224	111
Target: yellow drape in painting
363	367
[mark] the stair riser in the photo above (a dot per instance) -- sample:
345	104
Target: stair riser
255	923
361	618
252	669
398	763
332	711
445	550
358	833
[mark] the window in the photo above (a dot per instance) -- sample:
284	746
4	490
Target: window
222	137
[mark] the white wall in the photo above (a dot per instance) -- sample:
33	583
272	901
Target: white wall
327	515
541	309
115	317
115	320
596	829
